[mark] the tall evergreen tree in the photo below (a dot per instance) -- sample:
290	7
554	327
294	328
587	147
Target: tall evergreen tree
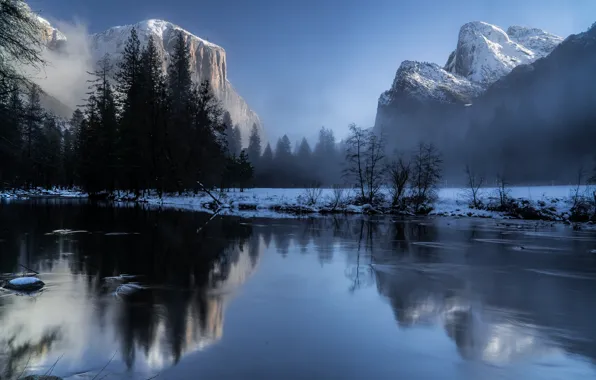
76	124
254	145
233	138
48	149
32	124
180	100
11	114
99	133
154	99
283	151
133	138
207	149
304	163
245	170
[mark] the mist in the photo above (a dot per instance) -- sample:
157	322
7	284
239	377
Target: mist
65	75
535	126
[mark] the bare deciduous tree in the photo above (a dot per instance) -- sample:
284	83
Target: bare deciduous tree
355	148
312	193
576	196
474	183
399	175
426	174
365	153
337	198
503	191
374	158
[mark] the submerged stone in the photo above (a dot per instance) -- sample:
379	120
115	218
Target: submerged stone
26	284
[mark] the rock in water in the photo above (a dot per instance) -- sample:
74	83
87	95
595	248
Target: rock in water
27	284
41	377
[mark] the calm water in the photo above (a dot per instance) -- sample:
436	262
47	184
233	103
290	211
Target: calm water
330	298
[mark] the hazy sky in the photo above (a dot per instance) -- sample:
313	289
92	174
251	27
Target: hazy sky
310	63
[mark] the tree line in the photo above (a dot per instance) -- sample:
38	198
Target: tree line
150	131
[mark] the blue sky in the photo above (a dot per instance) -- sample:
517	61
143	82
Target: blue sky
310	63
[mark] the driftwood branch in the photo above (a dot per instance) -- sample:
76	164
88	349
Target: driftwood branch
209	193
29	269
210	219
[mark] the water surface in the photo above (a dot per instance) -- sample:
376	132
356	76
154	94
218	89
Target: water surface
323	298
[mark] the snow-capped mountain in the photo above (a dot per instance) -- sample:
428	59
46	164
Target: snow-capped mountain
423	80
208	61
484	54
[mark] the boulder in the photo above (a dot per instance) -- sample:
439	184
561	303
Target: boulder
25	284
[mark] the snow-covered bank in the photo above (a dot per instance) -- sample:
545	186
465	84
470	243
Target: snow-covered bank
40	192
553	203
547	202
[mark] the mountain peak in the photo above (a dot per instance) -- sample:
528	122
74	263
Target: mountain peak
207	61
424	80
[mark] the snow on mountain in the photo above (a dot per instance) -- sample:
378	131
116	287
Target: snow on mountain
428	80
208	61
484	54
540	42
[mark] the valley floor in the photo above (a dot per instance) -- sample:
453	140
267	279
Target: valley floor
549	202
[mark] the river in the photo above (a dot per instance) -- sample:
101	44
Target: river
133	293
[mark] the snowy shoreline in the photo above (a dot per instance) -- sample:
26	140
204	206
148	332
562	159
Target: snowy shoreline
552	203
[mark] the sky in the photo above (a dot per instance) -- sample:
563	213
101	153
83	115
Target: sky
304	64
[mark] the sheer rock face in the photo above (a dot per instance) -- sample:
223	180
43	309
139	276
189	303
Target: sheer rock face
208	61
484	54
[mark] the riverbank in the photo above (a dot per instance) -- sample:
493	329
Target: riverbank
549	203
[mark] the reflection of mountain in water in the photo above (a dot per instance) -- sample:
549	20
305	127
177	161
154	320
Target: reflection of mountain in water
478	332
190	278
484	298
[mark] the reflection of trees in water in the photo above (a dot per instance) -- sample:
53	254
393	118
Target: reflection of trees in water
15	355
183	308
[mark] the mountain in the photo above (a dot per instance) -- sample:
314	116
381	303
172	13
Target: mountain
208	61
484	54
534	121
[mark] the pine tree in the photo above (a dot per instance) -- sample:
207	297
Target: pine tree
133	136
154	99
74	162
48	152
68	158
245	170
180	101
263	171
304	163
11	116
328	157
233	138
32	123
99	134
254	146
207	150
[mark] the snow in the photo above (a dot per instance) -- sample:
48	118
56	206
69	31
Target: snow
24	281
484	54
112	41
429	80
289	203
40	192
